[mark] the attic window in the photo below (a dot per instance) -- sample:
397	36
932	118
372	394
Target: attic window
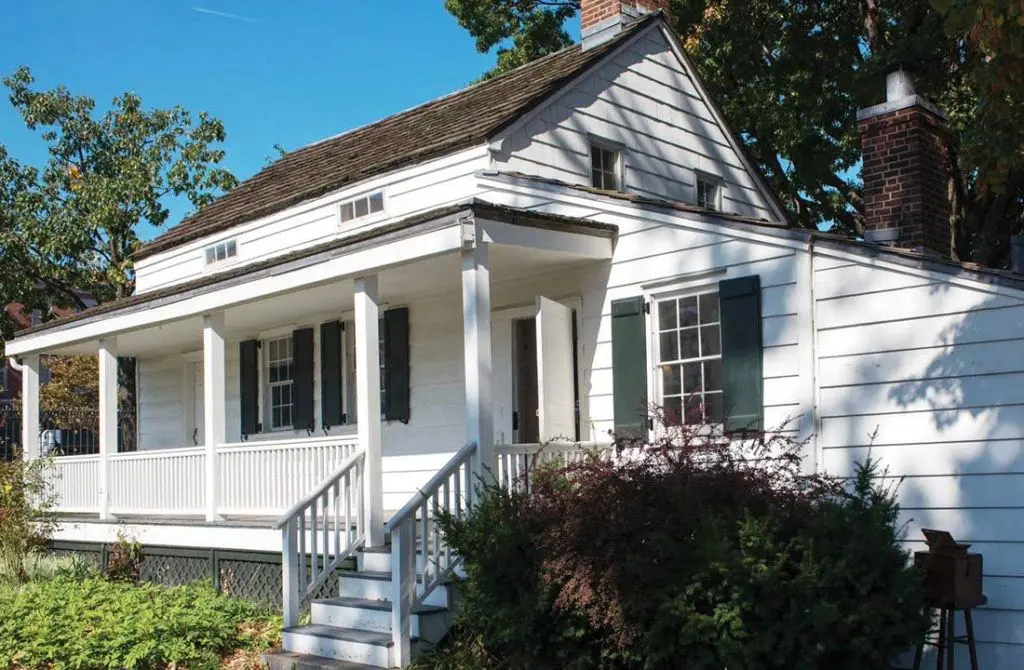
709	193
605	168
357	208
221	251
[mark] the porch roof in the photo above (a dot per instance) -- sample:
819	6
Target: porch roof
426	222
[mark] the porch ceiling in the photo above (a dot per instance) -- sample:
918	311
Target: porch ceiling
399	285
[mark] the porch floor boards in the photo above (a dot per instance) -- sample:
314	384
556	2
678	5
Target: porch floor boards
186	520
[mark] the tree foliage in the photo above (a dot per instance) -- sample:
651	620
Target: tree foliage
68	228
791	74
73	390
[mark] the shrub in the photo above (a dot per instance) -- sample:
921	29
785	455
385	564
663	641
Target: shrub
717	551
94	623
26	515
124	564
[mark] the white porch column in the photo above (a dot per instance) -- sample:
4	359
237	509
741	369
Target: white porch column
476	317
214	395
367	316
107	355
30	406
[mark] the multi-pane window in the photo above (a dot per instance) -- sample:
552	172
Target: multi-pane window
280	400
604	168
689	346
350	370
709	194
221	252
357	208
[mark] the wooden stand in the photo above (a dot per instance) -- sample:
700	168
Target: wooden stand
947	640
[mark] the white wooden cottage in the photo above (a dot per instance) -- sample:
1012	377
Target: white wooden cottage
365	322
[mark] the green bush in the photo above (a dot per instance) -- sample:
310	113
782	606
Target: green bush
26	514
94	623
697	552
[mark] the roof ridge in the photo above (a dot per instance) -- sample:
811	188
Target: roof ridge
440	98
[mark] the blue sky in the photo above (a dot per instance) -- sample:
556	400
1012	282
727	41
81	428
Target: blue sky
275	71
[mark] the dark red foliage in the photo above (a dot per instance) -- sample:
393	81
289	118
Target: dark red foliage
609	526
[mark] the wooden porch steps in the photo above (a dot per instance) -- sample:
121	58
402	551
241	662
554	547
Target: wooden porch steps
353	627
286	660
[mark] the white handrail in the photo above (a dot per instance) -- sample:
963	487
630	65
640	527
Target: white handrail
321	531
289	442
450	491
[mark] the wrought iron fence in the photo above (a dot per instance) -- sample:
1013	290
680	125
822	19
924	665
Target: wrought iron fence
66	432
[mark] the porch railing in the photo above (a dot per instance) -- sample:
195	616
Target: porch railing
255	478
414	530
321	531
158	482
515	463
74	481
266	478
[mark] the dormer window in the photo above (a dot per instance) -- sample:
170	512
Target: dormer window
605	168
220	252
709	193
365	205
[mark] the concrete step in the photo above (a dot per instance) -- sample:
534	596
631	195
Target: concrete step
376	585
286	660
371	648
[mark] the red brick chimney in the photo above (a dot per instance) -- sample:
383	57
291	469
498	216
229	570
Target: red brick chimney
905	145
603	19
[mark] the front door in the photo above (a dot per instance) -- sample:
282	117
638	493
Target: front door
534	379
525	407
199	403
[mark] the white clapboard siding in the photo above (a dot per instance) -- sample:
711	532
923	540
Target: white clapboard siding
923	372
161	404
415	189
644	100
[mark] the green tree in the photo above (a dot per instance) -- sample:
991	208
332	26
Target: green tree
791	88
68	228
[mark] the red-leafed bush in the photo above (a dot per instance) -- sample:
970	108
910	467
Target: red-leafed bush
693	551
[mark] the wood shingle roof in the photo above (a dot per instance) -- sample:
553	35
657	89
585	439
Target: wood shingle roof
463	119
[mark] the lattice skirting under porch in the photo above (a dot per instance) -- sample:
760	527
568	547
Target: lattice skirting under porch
250	575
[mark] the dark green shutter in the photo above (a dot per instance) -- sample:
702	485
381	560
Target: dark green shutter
396	365
330	374
742	354
629	367
302	379
249	382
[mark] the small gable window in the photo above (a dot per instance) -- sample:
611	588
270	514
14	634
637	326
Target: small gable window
372	203
221	252
605	168
709	193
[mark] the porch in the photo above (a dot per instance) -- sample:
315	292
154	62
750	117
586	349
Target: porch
465	278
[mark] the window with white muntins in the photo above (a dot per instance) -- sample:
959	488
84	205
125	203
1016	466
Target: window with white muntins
363	206
709	193
220	252
688	356
279	385
605	168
